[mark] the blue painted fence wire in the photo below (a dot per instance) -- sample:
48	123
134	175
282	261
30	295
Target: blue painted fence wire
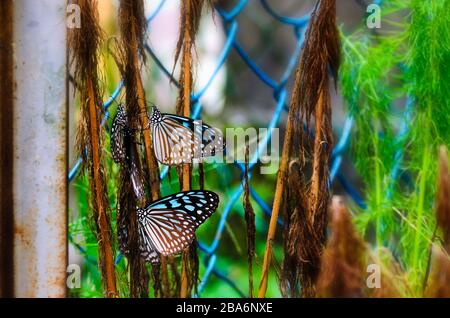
279	92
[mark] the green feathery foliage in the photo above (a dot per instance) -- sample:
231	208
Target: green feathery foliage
428	63
371	82
380	70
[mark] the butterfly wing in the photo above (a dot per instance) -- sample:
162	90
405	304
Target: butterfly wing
122	236
124	150
178	139
118	134
211	138
146	247
169	224
133	164
174	143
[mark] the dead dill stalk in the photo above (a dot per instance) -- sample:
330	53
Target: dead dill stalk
301	261
133	28
310	98
184	109
103	222
84	43
280	186
443	197
342	270
190	13
250	221
440	277
321	52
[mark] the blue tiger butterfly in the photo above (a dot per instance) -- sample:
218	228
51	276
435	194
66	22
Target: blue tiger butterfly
178	139
167	226
124	150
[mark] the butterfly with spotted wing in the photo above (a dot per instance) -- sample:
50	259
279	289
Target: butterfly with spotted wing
167	226
124	150
178	140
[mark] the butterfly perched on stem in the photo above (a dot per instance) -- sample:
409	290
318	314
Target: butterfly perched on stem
178	140
167	226
124	150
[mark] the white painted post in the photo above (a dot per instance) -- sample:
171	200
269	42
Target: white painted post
39	181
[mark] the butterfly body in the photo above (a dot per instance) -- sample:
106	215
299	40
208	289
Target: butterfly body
124	150
119	133
167	226
178	139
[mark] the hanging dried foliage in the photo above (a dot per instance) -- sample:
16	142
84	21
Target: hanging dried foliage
440	276
302	244
321	52
128	55
443	198
386	279
292	133
190	14
133	30
84	45
307	217
440	272
128	236
170	278
250	222
343	265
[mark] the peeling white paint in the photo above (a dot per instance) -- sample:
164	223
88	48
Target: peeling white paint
40	249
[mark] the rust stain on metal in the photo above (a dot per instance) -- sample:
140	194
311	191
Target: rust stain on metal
7	86
56	277
25	233
39	135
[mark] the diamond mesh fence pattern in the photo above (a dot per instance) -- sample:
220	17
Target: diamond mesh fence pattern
278	88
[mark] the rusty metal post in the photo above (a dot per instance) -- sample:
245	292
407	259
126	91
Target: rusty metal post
6	148
39	170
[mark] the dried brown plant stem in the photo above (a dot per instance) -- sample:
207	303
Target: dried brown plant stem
152	163
191	11
342	272
317	158
310	99
84	52
186	169
165	277
102	219
187	62
184	278
250	222
281	181
443	197
131	51
440	276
